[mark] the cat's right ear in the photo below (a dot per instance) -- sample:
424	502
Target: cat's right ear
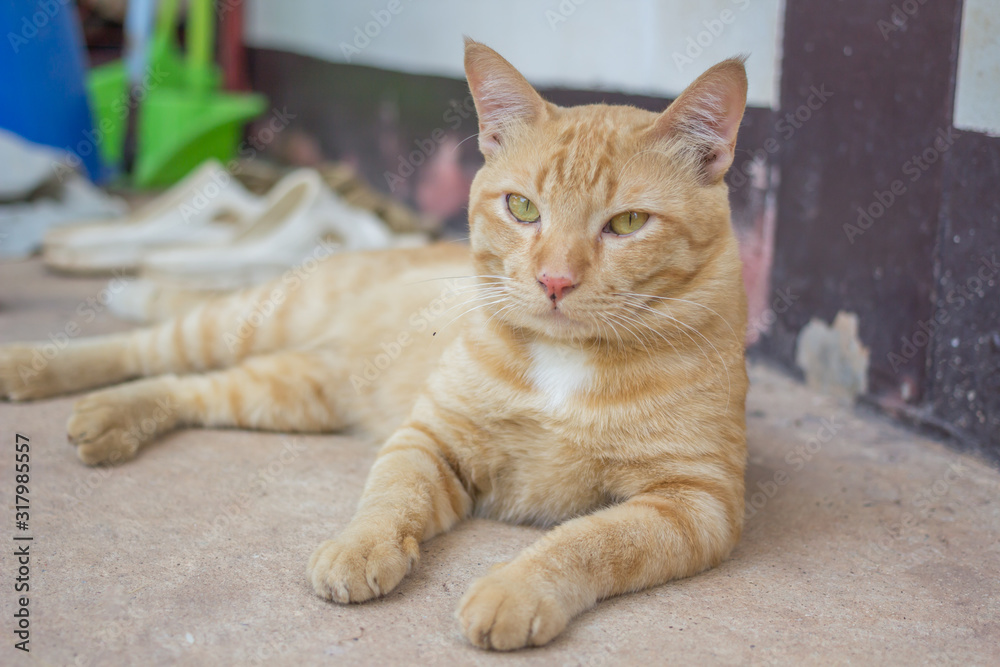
708	114
504	99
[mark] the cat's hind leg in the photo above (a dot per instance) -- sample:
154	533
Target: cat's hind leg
292	391
215	334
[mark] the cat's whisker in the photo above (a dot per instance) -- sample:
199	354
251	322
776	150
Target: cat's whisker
693	303
500	312
462	142
470	310
636	334
595	343
614	330
722	360
634	297
473	289
643	328
430	280
465	289
612	341
660	334
600	317
476	291
641	306
487	275
708	361
472	300
603	335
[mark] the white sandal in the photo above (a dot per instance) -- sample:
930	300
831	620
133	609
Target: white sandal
209	207
301	219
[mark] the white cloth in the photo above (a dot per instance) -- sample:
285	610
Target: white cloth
38	191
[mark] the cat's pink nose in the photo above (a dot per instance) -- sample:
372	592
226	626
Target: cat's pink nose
556	286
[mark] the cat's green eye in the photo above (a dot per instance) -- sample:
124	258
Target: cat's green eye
626	223
522	208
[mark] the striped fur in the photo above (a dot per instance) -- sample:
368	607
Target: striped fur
617	417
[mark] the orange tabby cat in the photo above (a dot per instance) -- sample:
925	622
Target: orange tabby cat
590	374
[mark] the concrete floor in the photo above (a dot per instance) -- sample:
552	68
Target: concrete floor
869	545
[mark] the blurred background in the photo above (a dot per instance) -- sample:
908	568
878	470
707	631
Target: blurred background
864	190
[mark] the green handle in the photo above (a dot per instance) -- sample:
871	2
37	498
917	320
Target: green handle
166	19
200	42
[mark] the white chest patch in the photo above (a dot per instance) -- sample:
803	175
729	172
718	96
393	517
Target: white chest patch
558	372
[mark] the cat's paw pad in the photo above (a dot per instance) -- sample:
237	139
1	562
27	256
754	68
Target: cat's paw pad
24	372
505	612
358	567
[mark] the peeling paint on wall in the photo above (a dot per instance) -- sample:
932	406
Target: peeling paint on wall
832	357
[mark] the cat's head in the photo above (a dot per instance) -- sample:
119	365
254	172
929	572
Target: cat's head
578	210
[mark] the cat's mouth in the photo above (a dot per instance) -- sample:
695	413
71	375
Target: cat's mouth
556	316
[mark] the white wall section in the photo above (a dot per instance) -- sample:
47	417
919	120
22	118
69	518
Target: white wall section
653	47
977	91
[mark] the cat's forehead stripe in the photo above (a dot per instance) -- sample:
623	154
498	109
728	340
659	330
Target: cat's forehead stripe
582	160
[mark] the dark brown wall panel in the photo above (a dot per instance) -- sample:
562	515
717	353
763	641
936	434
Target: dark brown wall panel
964	379
891	101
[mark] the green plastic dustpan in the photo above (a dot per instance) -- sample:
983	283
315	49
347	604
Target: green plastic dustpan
178	130
108	85
108	91
183	119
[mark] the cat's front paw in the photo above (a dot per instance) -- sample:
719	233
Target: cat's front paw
505	611
359	566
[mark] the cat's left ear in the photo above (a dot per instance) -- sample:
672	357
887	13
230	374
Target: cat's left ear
708	114
504	99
